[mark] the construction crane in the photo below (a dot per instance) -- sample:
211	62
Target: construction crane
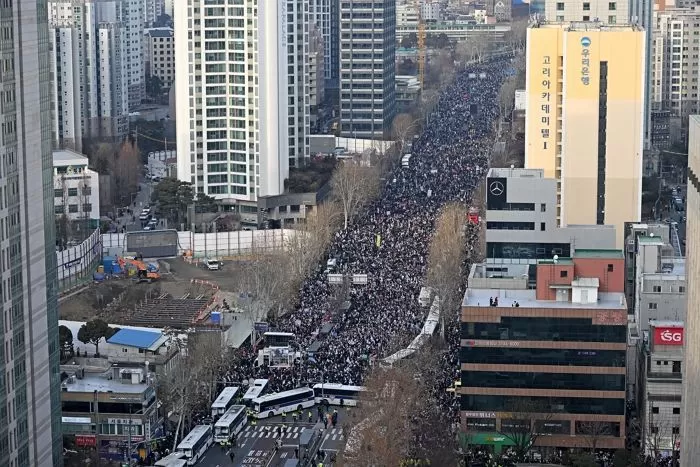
421	45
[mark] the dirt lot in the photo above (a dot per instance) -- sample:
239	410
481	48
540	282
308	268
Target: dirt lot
95	300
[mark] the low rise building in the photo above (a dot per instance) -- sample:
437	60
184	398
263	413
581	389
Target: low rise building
521	220
138	346
112	410
407	92
543	348
662	387
76	187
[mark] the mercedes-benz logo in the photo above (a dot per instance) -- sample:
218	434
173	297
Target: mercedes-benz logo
496	188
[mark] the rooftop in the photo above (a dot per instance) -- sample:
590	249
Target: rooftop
666	324
599	254
159	32
527	299
65	157
97	382
515	173
150	340
586	26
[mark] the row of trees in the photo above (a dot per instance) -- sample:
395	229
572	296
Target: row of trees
174	197
92	332
123	163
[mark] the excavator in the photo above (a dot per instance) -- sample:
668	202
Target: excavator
144	272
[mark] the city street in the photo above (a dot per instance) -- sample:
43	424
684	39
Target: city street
256	444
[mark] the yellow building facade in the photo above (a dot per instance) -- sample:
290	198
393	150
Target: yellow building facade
584	119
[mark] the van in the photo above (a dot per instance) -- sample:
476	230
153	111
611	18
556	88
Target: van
331	265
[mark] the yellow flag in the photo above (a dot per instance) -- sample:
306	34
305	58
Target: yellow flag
378	240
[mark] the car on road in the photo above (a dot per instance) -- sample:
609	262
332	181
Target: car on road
212	264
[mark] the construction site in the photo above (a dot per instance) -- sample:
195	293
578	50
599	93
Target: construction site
178	296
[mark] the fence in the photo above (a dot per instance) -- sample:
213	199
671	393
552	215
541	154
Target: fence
77	263
216	245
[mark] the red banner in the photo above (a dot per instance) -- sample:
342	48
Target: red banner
668	336
85	440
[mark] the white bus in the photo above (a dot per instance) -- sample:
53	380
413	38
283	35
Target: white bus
175	459
285	401
225	400
337	394
196	443
254	391
230	424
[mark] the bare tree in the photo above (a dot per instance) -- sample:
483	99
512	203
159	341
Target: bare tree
593	431
506	97
445	259
517	36
520	424
266	285
403	128
305	247
353	186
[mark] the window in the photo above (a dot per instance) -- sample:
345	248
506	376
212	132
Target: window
87	190
560	6
612	6
654	410
676	430
586	6
563	273
58	209
657	289
543	207
676	367
586	18
612	19
87	207
542	226
676	411
655	429
611	267
652	305
72	208
72	192
681	289
58	193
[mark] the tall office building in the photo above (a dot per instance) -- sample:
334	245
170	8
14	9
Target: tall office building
243	107
585	118
690	428
30	408
320	16
334	81
367	68
90	94
603	11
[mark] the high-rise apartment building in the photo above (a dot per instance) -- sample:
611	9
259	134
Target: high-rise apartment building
93	61
543	348
585	119
675	65
243	96
152	9
690	428
367	68
320	15
603	11
30	408
334	81
317	76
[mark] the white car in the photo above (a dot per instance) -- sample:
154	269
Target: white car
212	264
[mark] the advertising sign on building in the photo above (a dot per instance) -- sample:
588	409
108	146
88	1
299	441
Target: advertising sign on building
668	336
85	440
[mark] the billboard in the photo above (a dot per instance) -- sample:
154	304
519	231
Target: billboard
497	193
668	336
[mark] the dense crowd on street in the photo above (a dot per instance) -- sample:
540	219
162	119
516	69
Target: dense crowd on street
449	159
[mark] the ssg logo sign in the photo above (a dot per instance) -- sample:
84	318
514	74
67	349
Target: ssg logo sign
668	336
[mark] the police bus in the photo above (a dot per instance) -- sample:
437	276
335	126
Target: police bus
254	391
196	443
285	401
337	394
230	424
225	400
175	459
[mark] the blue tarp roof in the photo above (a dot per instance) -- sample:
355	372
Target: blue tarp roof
135	338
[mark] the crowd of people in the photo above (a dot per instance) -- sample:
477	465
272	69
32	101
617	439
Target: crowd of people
389	242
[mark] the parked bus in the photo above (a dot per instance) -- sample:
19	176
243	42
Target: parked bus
285	401
196	443
254	391
225	400
337	394
278	339
230	424
175	459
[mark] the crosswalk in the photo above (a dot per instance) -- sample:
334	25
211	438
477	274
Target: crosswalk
288	432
